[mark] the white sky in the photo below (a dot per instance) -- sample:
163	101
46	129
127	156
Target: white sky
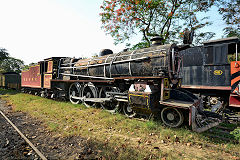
32	30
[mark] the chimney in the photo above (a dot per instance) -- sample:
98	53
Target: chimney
157	40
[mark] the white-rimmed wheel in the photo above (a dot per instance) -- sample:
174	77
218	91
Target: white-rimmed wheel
110	106
128	110
75	90
89	91
172	117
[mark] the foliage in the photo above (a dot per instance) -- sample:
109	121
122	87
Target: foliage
11	64
232	32
236	133
140	45
123	18
3	54
230	12
26	67
202	37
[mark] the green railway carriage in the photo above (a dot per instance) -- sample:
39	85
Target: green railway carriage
10	80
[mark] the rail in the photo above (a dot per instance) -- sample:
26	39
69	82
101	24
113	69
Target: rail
24	137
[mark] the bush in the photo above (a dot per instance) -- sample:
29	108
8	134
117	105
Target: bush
236	133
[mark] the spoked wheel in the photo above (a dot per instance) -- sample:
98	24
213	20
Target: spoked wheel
110	106
75	92
128	111
89	91
172	117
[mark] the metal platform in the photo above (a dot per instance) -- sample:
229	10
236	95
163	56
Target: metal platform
177	103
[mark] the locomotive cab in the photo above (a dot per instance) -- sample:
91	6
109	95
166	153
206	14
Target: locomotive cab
225	53
211	71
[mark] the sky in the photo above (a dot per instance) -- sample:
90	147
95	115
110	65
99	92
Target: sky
32	30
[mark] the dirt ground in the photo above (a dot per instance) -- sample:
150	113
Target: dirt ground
12	146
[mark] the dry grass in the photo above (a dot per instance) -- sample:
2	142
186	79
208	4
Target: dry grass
121	137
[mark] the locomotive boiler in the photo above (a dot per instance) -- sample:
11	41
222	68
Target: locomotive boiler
155	61
144	82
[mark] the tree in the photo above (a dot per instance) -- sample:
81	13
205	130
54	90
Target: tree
3	54
123	18
230	11
11	64
26	67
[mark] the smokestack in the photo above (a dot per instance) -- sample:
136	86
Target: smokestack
157	40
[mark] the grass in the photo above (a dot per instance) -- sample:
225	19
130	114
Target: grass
118	136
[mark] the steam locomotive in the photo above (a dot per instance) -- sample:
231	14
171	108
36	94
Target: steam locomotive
144	81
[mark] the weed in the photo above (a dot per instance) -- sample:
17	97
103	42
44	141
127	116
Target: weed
236	133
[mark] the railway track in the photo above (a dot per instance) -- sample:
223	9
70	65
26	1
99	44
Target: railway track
23	136
231	121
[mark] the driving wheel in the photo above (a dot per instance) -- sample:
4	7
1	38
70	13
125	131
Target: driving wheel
89	91
75	93
110	106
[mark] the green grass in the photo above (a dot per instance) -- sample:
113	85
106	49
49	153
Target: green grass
116	135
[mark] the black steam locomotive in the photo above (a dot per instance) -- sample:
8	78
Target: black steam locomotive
144	81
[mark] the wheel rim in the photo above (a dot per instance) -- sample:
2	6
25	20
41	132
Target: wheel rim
89	91
172	117
110	106
75	91
128	111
